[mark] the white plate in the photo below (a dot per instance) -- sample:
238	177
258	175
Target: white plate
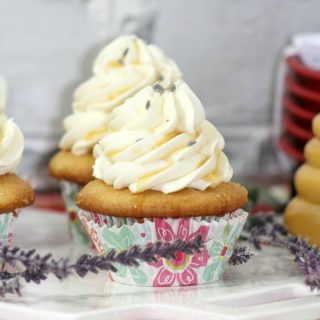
268	287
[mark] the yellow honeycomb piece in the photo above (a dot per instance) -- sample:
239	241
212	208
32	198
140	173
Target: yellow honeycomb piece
312	152
307	182
316	126
302	215
303	219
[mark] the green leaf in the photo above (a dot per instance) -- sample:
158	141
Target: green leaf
215	249
138	275
121	270
209	271
122	240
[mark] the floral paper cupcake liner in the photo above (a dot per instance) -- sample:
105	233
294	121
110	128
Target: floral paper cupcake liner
219	234
6	231
78	234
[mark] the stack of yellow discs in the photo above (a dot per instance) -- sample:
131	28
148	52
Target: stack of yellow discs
302	215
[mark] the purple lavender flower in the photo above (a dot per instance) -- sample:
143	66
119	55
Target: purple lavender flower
37	268
240	255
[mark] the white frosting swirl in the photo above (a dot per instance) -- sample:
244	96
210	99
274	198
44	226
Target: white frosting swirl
160	140
122	68
106	91
131	51
83	131
11	145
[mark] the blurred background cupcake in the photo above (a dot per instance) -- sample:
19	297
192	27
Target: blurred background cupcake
14	192
121	69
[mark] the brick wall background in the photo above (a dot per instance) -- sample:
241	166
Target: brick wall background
227	50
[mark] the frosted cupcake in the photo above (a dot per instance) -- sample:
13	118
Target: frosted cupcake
161	174
121	69
14	192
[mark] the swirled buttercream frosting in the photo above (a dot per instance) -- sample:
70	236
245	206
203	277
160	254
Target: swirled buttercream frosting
11	145
121	69
160	140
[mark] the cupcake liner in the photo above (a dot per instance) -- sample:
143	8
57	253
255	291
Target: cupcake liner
219	233
6	231
78	234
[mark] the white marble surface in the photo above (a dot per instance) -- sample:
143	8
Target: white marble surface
269	287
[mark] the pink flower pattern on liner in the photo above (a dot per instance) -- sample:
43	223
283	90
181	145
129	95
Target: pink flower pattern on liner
183	268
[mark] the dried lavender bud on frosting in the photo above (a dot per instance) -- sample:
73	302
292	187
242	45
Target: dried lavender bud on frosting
130	50
121	69
107	91
185	151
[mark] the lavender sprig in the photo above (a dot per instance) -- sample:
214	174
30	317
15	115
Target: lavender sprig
241	255
12	287
264	230
37	268
308	260
88	263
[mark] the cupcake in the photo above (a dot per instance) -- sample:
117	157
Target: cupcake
120	70
14	192
161	175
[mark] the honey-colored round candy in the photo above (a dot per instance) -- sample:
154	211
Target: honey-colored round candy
302	218
312	152
307	182
316	125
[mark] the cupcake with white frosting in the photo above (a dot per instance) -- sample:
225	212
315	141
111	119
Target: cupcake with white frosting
161	174
14	192
121	69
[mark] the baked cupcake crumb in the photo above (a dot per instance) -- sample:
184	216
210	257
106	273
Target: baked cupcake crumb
99	197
